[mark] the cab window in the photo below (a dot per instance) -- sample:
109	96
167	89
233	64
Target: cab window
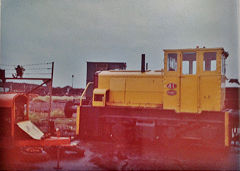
209	61
172	62
189	63
98	97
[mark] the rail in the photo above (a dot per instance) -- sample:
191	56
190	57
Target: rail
78	108
84	92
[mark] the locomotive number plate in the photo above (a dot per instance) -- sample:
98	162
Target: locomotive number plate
171	92
171	85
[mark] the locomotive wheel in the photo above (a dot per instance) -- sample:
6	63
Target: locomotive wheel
119	133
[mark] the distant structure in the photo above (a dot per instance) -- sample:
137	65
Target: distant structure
93	67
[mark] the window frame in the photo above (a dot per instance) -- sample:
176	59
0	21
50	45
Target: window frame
173	73
196	63
176	62
204	63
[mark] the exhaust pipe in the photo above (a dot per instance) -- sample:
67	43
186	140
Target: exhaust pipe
143	63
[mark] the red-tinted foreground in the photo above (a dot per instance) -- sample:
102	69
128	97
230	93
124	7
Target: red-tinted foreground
110	156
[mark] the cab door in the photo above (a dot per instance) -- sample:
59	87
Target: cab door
171	81
211	81
189	83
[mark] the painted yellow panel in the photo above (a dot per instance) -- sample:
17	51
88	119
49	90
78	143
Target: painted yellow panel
117	84
144	84
143	98
104	82
223	92
144	91
226	129
189	92
210	93
171	101
117	90
117	97
133	88
99	91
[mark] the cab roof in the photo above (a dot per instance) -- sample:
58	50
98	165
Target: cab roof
195	49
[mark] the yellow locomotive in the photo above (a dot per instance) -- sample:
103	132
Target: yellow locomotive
183	101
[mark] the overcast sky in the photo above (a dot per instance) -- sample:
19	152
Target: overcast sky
72	32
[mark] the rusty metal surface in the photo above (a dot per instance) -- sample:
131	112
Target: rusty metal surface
7	99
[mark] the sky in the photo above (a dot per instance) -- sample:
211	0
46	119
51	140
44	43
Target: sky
72	32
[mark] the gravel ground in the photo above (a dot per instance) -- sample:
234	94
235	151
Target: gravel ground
110	156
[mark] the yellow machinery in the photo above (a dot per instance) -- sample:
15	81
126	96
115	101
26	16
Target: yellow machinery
193	80
183	101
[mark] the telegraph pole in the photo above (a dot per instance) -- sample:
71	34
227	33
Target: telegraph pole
50	93
72	80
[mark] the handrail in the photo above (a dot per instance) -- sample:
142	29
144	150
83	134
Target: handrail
84	92
78	108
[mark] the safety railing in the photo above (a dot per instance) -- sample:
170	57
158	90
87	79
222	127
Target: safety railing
84	92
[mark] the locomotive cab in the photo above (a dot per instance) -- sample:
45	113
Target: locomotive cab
194	79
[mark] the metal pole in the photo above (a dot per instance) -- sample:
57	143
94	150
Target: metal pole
58	159
143	63
72	80
50	93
